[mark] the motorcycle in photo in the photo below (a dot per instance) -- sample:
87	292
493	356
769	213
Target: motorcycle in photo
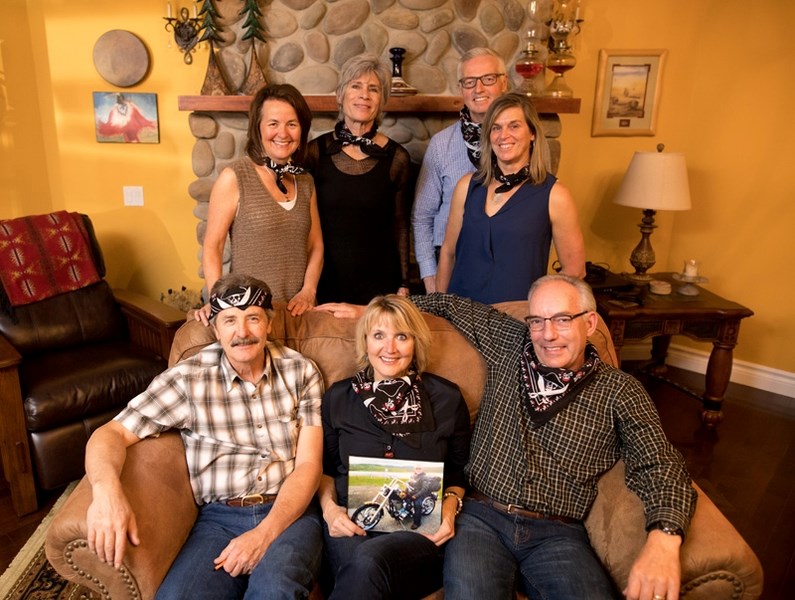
395	497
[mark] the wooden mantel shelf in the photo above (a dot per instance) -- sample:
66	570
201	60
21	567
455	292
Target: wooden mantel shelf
411	104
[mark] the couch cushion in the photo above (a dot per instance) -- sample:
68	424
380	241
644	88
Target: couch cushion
330	342
83	316
69	385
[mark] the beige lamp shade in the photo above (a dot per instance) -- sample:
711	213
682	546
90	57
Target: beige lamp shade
657	181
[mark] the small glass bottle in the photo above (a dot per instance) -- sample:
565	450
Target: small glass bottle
529	65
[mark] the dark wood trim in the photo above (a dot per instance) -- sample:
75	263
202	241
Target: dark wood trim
410	104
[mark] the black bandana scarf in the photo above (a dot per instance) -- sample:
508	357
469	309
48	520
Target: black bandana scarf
343	137
509	181
280	170
240	297
399	406
550	390
471	133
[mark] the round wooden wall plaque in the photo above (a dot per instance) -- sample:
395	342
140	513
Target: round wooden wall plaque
121	58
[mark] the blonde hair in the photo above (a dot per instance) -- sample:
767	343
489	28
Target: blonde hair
401	313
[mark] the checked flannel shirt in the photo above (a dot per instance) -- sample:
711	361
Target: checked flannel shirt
554	468
240	438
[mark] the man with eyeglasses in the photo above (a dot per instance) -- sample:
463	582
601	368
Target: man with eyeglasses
553	418
452	153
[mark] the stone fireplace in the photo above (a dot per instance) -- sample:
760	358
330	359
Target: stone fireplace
309	40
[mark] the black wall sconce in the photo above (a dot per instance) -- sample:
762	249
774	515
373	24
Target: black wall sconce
186	30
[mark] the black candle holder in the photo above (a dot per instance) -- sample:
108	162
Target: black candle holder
399	85
186	32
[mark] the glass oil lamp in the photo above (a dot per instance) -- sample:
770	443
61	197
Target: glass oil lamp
564	22
529	65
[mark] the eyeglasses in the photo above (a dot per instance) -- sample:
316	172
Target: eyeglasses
561	322
487	79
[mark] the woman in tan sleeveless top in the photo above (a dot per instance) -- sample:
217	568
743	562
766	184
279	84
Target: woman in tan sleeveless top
266	205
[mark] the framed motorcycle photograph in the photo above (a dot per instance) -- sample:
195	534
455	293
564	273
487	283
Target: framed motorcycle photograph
387	494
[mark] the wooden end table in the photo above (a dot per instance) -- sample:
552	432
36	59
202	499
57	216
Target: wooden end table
637	314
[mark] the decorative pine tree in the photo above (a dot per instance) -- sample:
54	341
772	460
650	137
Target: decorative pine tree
252	25
209	14
216	83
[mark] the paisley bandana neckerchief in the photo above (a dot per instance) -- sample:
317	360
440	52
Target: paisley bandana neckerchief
280	170
550	390
343	137
240	297
509	181
399	406
471	133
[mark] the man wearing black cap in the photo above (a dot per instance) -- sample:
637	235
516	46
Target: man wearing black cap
248	411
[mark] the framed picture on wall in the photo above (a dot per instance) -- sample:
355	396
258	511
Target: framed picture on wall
628	87
126	117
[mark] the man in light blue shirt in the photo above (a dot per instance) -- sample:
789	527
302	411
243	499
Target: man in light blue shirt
452	153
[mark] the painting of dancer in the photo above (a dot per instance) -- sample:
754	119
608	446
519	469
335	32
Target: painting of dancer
126	117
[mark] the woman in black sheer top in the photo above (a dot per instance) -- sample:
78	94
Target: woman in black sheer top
361	177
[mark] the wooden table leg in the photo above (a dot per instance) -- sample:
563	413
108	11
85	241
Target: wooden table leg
719	370
659	351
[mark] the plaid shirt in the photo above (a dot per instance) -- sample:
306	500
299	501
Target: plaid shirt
240	438
554	468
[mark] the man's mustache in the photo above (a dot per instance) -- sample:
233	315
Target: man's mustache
246	341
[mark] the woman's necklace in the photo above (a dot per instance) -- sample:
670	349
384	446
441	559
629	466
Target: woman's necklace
287	181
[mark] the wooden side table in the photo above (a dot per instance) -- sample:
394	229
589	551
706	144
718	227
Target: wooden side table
638	314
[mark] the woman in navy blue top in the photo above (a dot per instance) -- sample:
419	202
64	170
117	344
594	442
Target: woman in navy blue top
504	217
390	409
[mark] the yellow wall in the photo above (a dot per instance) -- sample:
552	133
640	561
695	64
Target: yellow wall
65	168
727	102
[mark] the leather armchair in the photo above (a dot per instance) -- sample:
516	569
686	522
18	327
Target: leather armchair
716	561
68	364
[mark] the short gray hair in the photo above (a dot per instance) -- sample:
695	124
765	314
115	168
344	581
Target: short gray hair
584	292
359	65
474	53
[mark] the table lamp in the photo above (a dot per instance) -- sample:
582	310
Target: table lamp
654	181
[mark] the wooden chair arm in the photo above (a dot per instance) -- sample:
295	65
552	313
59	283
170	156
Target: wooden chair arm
14	447
152	324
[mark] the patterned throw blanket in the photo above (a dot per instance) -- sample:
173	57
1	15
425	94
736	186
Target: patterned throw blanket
44	255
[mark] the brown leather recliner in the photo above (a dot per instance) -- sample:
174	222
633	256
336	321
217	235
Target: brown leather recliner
716	562
68	364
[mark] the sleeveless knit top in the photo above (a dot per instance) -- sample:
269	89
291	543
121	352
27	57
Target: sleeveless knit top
497	258
269	242
358	218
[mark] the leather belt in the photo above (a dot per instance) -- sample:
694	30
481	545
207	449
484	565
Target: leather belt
251	500
515	509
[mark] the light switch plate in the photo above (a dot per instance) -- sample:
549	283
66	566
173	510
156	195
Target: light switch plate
133	195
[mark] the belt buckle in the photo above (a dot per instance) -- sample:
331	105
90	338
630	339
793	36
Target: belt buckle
252	500
514	507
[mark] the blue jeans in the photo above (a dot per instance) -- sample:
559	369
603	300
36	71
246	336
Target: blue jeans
287	570
493	552
402	564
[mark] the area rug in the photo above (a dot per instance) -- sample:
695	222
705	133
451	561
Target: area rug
30	575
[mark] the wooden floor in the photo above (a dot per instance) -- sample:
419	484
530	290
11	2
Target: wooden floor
746	466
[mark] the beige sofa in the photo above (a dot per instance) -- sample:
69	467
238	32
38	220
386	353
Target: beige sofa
716	561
